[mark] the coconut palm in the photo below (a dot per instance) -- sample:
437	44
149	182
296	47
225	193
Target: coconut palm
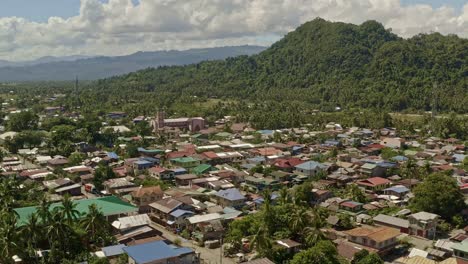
32	234
284	197
8	237
68	210
261	241
94	222
299	220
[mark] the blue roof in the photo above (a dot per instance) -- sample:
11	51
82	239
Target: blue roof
113	250
257	159
178	170
266	132
398	189
112	155
153	160
180	212
310	165
143	162
153	251
387	164
459	157
230	194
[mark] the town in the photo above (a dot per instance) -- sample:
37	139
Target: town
185	190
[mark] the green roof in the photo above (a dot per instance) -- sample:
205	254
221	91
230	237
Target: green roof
463	246
202	168
223	134
184	160
109	205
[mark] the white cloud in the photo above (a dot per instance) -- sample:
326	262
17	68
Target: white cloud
120	27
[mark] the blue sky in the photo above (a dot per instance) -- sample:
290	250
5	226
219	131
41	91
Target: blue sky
41	10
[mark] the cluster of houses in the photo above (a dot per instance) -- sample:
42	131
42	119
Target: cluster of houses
217	177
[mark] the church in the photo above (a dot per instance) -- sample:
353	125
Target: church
192	124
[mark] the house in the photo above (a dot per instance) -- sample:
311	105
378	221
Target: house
57	162
320	196
143	196
399	191
351	206
230	198
260	261
203	168
423	224
111	252
374	184
392	142
185	179
123	224
291	246
161	173
119	186
391	221
287	164
161	210
178	218
185	162
460	251
379	239
372	170
310	168
158	252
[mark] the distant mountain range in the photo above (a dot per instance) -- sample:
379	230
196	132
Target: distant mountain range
91	68
46	59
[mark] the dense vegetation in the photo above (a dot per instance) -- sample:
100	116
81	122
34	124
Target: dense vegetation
322	64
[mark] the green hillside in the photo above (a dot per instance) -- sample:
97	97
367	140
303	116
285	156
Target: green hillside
328	64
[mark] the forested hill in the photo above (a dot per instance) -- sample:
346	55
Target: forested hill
327	64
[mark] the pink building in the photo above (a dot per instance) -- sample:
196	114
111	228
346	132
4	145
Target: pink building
192	124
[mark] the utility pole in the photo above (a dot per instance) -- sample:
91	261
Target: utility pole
221	250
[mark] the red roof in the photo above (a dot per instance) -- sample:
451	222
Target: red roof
376	146
288	163
178	154
374	181
210	155
157	169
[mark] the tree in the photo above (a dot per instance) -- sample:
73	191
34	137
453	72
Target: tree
76	158
8	237
143	128
94	223
322	253
68	210
354	193
261	241
31	233
371	258
429	197
24	120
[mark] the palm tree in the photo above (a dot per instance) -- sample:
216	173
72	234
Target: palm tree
284	197
261	241
8	237
43	211
311	235
68	210
94	222
299	220
31	232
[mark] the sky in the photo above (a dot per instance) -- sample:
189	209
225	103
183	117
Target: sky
31	29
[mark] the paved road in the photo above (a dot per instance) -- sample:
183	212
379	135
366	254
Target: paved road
209	256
